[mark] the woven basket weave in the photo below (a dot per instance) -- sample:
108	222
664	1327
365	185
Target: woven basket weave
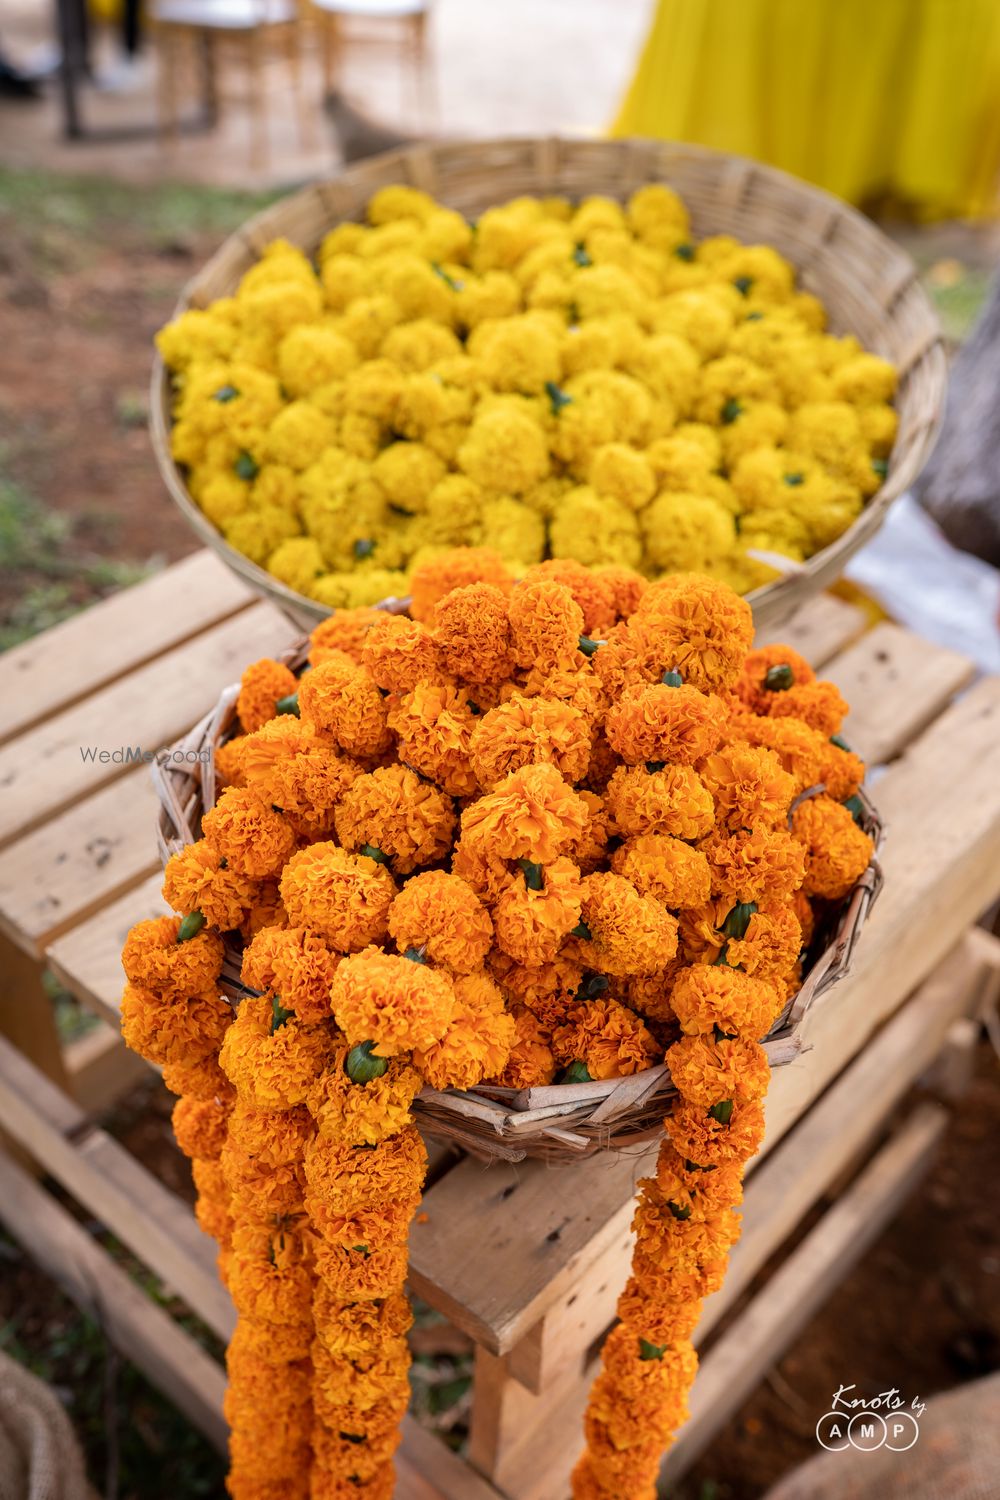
560	1122
867	283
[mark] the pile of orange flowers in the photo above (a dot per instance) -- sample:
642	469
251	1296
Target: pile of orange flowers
548	831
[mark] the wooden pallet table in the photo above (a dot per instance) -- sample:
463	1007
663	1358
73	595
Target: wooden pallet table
527	1259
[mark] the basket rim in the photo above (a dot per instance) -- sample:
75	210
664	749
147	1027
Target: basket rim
648	160
185	785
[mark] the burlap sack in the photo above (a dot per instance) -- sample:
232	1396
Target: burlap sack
39	1455
956	1457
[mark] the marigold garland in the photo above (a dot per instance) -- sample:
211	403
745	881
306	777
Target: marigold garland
554	831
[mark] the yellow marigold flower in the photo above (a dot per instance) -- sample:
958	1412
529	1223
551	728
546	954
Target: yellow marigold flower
672	800
453	568
534	915
196	880
753	866
442	914
309	357
345	631
705	1071
408	473
504	451
837	851
589	528
686	532
472	633
412	821
699	1137
154	959
865	379
477	1042
434	725
530	731
519	353
261	685
623	474
660	723
625	933
342	702
295	964
275	1138
704	997
342	896
749	786
665	869
272	1064
607	1038
396	1002
531	815
201	1126
250	836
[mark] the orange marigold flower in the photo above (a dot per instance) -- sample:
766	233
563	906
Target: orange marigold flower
673	800
292	767
261	685
269	1454
593	592
400	653
757	866
341	1463
173	1030
345	631
196	880
659	1321
818	704
632	1423
348	1178
545	988
442	914
375	1227
275	1138
359	1114
546	625
343	704
360	1274
771	944
472	633
841	771
534	915
228	761
489	877
401	817
531	815
690	1255
261	1193
201	1126
627	588
250	836
396	1002
837	850
704	997
805	754
705	628
588	1484
656	723
705	1071
267	911
626	933
705	1193
202	1079
348	1331
153	958
271	1276
453	568
381	1485
530	731
700	1137
272	1066
296	964
607	1037
531	1063
649	994
214	1218
749	786
478	1040
434	725
344	897
374	1424
589	851
665	869
807	920
768	671
278	1344
245	1484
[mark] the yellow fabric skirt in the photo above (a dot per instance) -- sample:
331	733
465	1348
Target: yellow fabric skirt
891	100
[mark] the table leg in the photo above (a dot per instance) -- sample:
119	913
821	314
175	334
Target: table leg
28	1021
71	31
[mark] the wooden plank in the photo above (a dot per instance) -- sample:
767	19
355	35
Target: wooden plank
114	1187
951	1073
26	1014
101	1068
818	629
88	959
46	770
75	864
428	1470
783	1307
72	660
143	1332
896	685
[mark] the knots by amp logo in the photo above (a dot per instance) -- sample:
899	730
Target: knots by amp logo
866	1423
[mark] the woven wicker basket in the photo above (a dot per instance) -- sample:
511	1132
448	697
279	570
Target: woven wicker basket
868	284
561	1122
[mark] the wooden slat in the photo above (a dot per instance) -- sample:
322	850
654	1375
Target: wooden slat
114	1187
818	630
44	770
896	685
784	1306
88	959
62	665
143	1332
82	859
427	1470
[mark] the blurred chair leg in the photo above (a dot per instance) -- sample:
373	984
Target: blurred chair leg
293	52
332	45
166	77
426	82
258	100
209	79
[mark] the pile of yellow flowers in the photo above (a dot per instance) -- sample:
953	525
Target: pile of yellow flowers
551	830
556	379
